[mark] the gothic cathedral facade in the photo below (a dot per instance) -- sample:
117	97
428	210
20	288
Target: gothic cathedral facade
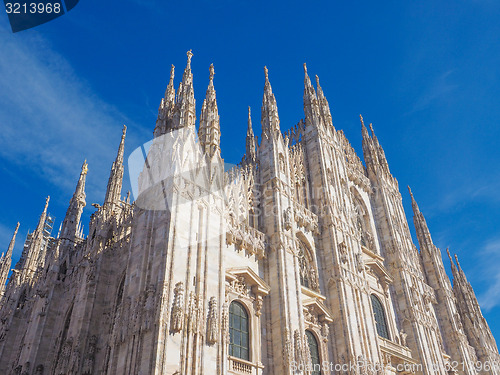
299	260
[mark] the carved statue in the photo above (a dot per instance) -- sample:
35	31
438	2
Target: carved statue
177	308
212	323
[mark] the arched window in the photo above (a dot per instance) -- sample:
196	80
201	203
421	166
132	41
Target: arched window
314	350
238	331
380	321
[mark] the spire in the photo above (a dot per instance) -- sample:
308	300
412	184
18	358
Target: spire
269	113
185	108
71	222
250	141
413	202
458	263
33	256
311	109
209	131
114	188
6	262
421	228
165	112
324	107
373	152
12	243
364	131
453	267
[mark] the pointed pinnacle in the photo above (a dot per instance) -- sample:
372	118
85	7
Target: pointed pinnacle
249	129
84	167
172	73
47	203
189	55
266	73
212	73
361	119
317	83
124	131
458	263
449	256
371	129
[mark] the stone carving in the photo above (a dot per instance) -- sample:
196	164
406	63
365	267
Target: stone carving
297	341
177	308
313	278
325	330
288	214
310	315
225	322
287	350
149	308
240	287
88	363
360	263
403	335
212	323
343	252
64	357
258	305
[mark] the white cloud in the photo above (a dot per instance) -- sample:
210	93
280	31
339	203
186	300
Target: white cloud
489	259
50	119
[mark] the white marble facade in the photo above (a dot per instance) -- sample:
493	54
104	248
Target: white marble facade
297	261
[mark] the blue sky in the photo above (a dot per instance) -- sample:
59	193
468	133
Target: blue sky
425	73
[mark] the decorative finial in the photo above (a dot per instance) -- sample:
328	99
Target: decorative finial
189	55
449	255
172	70
305	68
317	81
124	131
361	118
212	72
249	112
47	201
266	73
371	129
85	167
409	189
458	263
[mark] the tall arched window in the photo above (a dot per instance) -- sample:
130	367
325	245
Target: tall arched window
380	321
314	351
238	331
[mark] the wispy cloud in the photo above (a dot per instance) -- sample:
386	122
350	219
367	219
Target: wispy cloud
488	261
50	118
438	89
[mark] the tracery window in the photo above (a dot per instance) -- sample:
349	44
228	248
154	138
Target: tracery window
238	331
314	351
304	267
379	314
308	275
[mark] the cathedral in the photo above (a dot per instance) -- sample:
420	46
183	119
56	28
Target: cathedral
299	260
